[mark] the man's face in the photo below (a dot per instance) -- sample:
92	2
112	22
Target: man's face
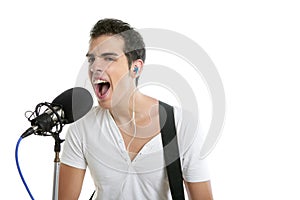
108	70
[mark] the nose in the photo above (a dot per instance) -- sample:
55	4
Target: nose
95	73
95	69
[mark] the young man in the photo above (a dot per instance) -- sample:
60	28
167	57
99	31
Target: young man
119	140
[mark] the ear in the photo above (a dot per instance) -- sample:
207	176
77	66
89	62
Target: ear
136	68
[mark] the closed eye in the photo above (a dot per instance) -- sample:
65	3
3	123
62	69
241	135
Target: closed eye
110	59
91	59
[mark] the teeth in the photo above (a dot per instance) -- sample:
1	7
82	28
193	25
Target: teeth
99	81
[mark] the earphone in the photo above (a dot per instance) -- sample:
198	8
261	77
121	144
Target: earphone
136	69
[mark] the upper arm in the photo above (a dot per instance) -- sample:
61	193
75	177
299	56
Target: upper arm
70	182
199	190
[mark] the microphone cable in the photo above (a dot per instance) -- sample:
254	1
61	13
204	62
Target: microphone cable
19	169
66	108
58	125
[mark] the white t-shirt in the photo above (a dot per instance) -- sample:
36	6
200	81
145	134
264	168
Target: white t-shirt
96	142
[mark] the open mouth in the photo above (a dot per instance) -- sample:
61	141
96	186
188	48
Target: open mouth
102	87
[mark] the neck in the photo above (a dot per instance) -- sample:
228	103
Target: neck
125	110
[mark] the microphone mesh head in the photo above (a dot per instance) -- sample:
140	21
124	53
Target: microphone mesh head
75	102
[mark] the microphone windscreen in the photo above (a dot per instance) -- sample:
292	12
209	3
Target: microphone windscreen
75	102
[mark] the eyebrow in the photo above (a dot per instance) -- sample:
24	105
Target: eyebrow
103	54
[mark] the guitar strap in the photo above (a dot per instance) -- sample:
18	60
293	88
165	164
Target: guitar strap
171	152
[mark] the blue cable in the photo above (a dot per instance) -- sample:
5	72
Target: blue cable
19	170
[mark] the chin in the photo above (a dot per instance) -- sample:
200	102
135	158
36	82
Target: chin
104	104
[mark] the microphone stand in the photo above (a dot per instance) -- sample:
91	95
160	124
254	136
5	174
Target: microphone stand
57	148
45	123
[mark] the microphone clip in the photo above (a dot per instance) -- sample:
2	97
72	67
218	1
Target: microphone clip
50	122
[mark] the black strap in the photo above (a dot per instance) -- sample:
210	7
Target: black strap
92	195
171	152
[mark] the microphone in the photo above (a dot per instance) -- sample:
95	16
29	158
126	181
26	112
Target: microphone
66	108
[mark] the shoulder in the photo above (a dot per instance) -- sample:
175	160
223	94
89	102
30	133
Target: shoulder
90	119
94	113
189	130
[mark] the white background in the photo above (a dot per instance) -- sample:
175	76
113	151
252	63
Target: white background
255	46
